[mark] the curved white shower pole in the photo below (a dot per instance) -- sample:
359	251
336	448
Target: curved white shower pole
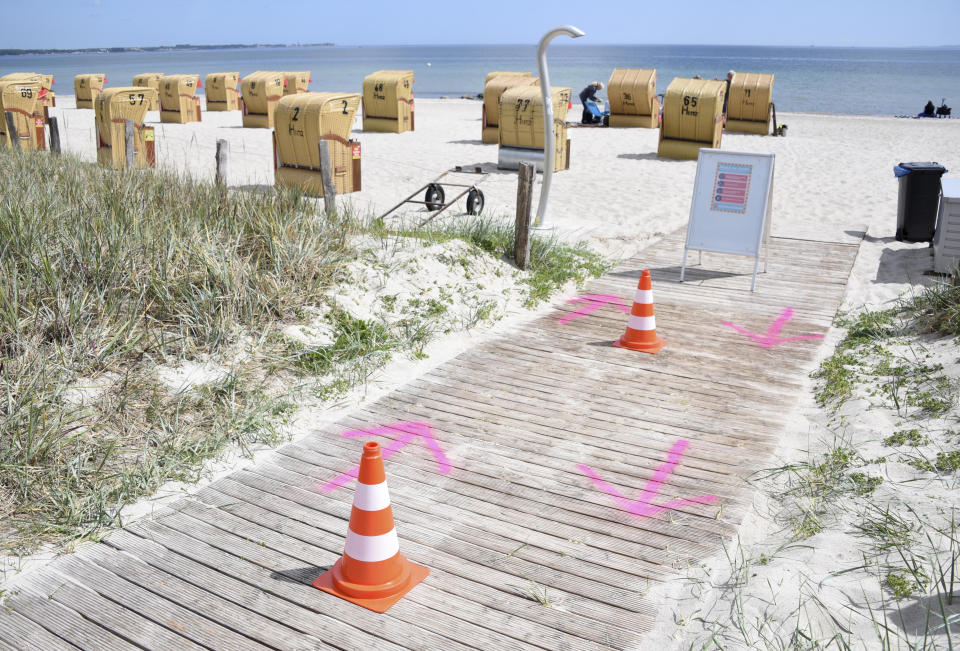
548	144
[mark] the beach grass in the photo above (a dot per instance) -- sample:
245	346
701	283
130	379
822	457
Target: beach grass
104	276
108	277
552	264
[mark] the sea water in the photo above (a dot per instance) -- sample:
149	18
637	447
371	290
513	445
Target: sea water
871	81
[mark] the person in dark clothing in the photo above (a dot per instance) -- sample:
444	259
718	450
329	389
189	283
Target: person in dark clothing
589	93
726	95
929	110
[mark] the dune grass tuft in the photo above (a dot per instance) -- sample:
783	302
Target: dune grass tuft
104	275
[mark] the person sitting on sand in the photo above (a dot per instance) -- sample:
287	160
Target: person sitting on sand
943	111
929	110
589	93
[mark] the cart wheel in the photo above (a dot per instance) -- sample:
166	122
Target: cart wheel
434	196
475	202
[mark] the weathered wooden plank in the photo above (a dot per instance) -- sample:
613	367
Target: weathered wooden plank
715	342
338	618
697	331
530	378
577	426
603	563
499	513
576	432
565	573
561	368
321	553
483	581
64	622
612	437
65	589
484	451
706	359
632	426
223	163
292	570
230	614
231	581
667	290
693	379
600	352
669	360
497	402
613	604
567	489
148	605
476	455
619	432
18	632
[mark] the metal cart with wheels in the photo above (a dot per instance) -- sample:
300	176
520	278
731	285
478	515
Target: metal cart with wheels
435	196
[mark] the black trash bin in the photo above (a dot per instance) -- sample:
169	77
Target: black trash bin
918	200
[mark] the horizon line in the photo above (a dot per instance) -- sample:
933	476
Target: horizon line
124	49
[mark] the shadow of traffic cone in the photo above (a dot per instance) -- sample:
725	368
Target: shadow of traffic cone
641	331
372	572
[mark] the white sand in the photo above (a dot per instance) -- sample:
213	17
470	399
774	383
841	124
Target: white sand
833	172
833	178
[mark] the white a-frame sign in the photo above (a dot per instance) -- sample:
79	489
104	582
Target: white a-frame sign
731	206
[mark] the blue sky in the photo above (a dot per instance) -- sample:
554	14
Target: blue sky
113	23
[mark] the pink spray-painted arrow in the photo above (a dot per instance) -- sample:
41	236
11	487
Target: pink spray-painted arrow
403	433
770	338
644	506
593	302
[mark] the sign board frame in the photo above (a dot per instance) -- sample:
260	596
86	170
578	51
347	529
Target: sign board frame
735	184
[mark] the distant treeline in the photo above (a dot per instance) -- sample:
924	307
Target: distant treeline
158	48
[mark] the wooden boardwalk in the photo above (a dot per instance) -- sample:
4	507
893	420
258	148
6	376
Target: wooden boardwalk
556	466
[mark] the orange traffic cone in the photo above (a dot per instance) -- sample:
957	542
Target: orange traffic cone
641	331
372	572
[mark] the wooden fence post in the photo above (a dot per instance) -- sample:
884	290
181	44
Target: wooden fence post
223	156
128	144
54	135
326	174
521	238
12	133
